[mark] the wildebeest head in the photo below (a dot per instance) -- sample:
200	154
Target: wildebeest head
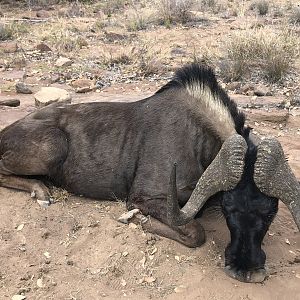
252	179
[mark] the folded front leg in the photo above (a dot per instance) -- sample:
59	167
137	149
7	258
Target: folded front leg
191	235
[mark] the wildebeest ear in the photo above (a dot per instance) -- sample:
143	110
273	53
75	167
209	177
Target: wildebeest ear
246	131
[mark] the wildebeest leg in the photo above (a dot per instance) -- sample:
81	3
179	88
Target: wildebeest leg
35	187
36	152
190	235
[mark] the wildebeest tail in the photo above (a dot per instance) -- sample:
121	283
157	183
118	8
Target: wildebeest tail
209	98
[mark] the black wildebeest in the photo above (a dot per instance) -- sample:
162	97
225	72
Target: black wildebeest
128	150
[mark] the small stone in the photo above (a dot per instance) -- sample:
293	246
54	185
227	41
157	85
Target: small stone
43	48
178	51
124	218
123	282
9	47
23	88
132	225
297	260
262	90
47	254
232	86
20	227
42	14
55	78
18	297
149	279
10	102
63	62
70	262
48	95
83	85
245	88
180	289
287	241
40	283
43	203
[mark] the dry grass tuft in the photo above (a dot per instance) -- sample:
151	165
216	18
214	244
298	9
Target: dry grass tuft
271	53
175	11
136	20
6	32
262	7
295	15
59	195
148	60
65	37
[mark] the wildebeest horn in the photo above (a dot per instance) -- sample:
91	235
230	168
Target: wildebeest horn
223	174
274	177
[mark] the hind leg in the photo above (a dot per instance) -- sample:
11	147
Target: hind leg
35	187
36	151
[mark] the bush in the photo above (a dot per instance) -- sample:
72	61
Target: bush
295	16
6	32
136	20
262	7
271	53
175	11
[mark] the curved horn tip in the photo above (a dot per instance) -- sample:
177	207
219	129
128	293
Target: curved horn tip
274	177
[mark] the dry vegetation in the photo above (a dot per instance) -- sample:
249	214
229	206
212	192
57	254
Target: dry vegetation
139	37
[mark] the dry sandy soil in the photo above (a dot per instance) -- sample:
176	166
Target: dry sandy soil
76	248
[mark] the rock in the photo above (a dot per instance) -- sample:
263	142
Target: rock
18	297
232	86
180	289
9	47
178	51
245	88
63	62
43	47
42	14
10	102
124	218
262	90
272	116
113	36
83	85
22	88
40	283
55	78
43	203
48	95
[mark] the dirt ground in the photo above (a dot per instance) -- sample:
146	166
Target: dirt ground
76	249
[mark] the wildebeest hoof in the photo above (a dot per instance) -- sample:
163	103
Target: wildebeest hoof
255	276
126	217
192	234
41	193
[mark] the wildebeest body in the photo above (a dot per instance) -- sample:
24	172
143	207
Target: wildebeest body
119	150
128	151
